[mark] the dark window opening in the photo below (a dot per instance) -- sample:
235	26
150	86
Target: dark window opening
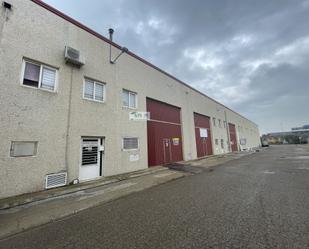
32	75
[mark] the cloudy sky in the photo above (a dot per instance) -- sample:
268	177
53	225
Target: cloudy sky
252	56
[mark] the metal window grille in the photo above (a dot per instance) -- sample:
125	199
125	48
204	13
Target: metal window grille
90	151
130	143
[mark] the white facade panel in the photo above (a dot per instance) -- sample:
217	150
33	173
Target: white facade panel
58	120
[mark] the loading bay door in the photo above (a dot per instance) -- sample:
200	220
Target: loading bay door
163	133
202	135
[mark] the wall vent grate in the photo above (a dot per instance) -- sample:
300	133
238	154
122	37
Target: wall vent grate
55	180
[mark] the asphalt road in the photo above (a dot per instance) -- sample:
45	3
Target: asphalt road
258	201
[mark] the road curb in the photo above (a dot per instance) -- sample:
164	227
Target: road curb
32	220
25	199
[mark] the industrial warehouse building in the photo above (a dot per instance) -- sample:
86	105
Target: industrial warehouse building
61	121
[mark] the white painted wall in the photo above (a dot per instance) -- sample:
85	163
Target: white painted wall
35	115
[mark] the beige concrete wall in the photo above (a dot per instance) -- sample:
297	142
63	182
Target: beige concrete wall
59	120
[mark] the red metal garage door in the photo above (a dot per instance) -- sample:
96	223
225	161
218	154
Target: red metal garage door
233	138
164	133
202	135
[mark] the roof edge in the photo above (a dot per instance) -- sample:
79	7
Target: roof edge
91	31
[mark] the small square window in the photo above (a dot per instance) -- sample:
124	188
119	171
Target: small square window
129	99
130	143
216	141
214	121
39	76
23	149
94	90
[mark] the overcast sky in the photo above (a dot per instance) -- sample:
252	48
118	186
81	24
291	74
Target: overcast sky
251	55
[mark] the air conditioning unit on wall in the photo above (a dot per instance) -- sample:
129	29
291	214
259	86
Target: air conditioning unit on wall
73	56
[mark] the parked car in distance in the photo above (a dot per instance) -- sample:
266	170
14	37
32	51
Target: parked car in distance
265	143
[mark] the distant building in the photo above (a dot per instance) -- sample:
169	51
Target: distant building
305	127
288	137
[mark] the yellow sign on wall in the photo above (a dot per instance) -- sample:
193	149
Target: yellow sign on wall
175	141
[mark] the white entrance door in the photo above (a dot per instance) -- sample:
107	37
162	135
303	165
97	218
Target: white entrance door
90	159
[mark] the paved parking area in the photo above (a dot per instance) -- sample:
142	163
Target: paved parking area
258	201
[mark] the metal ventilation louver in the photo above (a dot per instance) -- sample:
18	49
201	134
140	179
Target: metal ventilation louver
55	180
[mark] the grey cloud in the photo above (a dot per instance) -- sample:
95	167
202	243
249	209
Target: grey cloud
251	55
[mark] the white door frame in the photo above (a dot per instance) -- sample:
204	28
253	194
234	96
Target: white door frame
91	171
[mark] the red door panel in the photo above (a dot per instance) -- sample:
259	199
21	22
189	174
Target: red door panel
233	137
164	133
203	144
163	112
167	150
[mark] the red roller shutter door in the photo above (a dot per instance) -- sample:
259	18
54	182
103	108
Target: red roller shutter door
202	137
164	133
233	138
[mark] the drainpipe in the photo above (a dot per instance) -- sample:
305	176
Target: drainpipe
68	126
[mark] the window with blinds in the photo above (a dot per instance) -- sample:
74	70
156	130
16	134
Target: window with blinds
129	99
130	143
48	78
94	90
214	121
39	76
